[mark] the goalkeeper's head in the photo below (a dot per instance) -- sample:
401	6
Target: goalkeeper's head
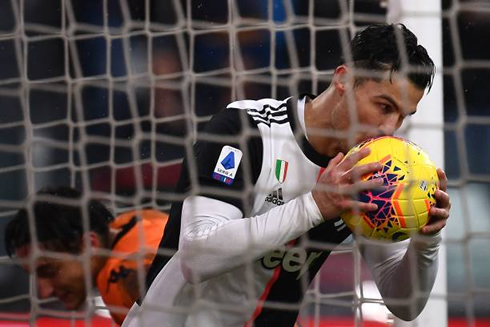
55	220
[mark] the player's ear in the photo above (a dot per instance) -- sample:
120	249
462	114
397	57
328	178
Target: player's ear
93	238
340	78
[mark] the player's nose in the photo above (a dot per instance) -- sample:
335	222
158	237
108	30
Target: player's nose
387	130
45	288
389	126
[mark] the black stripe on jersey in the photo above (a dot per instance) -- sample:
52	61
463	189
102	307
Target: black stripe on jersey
269	117
268	106
264	111
270	121
267	111
268	114
254	113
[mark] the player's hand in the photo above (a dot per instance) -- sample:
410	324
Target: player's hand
338	186
439	213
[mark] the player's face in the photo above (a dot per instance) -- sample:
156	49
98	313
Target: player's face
57	277
381	108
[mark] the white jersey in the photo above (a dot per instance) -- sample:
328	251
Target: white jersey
252	239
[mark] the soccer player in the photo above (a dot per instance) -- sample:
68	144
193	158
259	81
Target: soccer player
115	243
270	181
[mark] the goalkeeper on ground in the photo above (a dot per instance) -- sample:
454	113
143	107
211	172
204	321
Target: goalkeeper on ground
265	186
59	227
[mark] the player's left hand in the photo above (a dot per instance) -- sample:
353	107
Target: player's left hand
439	213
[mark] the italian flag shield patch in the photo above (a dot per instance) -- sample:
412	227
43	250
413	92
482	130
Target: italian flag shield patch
281	170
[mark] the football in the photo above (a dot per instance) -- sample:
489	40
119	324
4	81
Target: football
410	181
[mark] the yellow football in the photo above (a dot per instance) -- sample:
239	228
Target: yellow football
410	181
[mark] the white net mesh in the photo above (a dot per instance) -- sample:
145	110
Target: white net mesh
106	96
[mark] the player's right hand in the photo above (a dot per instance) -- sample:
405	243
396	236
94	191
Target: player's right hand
338	186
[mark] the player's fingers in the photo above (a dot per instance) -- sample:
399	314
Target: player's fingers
434	227
437	221
357	172
330	167
352	190
442	179
438	213
353	158
371	184
442	199
335	161
357	206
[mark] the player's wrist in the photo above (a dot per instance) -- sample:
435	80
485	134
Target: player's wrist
424	241
314	205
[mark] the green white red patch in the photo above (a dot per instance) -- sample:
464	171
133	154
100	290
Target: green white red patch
281	170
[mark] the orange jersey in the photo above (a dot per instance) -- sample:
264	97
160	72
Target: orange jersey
139	235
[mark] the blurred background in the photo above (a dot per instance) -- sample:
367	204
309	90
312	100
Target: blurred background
107	95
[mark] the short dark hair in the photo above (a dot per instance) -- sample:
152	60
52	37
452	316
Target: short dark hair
58	225
377	48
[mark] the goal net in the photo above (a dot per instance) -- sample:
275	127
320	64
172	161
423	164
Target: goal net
107	96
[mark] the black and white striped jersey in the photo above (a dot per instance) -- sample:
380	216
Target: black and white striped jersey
249	235
277	165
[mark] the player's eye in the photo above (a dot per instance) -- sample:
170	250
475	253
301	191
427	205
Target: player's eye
386	108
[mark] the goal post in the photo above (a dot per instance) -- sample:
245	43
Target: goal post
426	128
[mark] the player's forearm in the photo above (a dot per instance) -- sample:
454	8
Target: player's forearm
218	239
405	277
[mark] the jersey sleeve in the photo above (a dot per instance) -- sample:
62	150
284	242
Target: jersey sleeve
226	162
404	272
215	239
